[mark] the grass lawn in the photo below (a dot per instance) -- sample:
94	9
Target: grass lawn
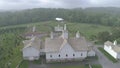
24	64
107	55
93	57
37	61
86	30
96	66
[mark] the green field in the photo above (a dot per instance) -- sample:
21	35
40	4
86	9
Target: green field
108	55
86	30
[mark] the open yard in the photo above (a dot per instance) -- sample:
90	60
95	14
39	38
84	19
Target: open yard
86	30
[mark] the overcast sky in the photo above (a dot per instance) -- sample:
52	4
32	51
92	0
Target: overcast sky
25	4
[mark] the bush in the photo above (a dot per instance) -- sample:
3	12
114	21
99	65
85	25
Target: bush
96	66
24	64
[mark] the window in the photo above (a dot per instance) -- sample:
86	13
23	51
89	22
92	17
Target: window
59	55
81	54
66	55
50	55
73	54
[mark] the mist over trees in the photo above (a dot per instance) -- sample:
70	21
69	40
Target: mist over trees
103	16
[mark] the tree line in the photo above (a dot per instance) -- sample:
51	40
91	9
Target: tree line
104	16
104	36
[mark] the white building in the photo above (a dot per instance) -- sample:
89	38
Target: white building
31	50
64	48
59	19
91	52
58	28
113	49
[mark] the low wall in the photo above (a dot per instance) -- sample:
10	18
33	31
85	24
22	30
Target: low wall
63	60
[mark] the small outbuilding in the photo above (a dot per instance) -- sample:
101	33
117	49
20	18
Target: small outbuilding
31	50
59	19
113	49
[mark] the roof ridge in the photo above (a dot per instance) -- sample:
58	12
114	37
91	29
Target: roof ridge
65	42
31	43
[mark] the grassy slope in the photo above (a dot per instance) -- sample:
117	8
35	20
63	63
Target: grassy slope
85	29
10	50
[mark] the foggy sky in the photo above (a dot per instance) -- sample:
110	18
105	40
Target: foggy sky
26	4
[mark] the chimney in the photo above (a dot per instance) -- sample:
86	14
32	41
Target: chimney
77	34
65	34
65	27
115	42
34	28
51	35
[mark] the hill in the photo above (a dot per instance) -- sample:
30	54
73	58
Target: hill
104	16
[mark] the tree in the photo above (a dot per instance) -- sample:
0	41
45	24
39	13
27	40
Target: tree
105	16
103	36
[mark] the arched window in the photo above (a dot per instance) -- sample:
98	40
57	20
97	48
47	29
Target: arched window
81	54
66	55
50	55
59	55
73	54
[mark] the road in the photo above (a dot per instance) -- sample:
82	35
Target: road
104	61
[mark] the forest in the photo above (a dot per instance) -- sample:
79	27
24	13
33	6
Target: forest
104	16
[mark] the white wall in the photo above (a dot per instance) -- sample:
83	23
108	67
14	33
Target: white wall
58	28
66	50
79	55
110	51
91	53
30	53
118	55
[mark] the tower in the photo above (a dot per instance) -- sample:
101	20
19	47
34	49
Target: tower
51	35
65	27
34	28
78	34
115	42
65	32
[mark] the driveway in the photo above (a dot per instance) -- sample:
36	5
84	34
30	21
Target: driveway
104	61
